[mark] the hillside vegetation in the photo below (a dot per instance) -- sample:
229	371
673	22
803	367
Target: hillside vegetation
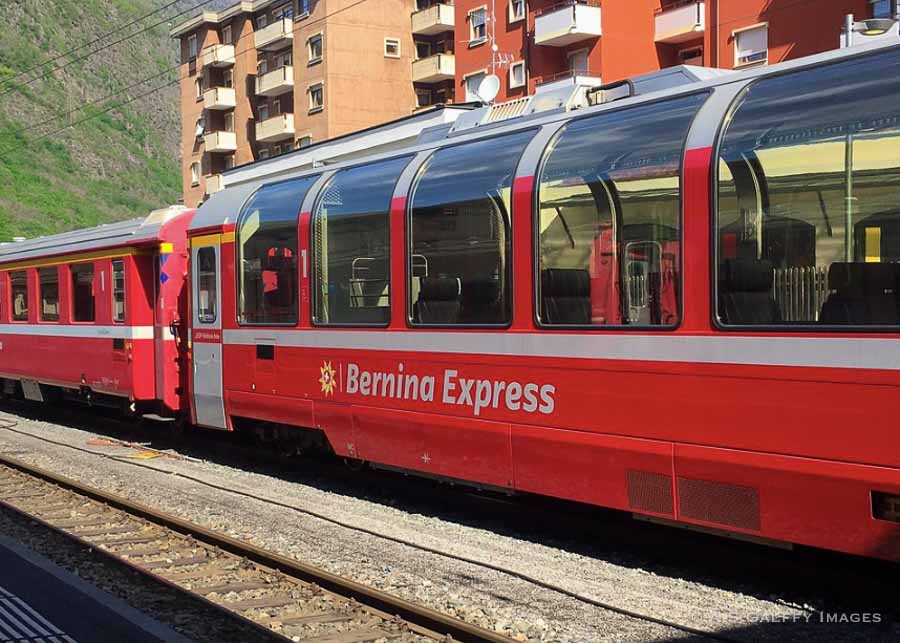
118	165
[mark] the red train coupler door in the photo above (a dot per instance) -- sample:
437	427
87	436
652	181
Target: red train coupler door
206	332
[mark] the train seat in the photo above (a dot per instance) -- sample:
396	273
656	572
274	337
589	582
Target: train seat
746	295
438	301
565	296
480	301
863	294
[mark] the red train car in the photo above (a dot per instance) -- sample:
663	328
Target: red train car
94	314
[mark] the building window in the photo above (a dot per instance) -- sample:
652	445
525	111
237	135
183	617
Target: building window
263	111
228	78
304	141
423	49
882	8
391	48
351	245
284	11
423	97
262	67
226	35
207	285
692	56
751	46
578	61
195	173
19	287
517	74
316	97
229	121
276	107
314	49
200	128
516	10
192	46
229	161
268	291
808	196
284	60
477	26
603	259
118	290
459	234
263	154
48	279
261	21
83	292
198	89
276	150
473	82
303	5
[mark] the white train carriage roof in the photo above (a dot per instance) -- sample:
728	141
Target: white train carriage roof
140	231
224	207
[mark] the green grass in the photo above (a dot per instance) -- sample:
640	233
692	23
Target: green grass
111	167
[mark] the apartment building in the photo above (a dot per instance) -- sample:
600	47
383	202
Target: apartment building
530	44
263	77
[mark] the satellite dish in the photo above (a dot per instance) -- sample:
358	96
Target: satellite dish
488	88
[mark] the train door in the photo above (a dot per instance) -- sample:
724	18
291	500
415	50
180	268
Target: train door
206	333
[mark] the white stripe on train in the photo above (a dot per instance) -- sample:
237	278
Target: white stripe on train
78	331
836	352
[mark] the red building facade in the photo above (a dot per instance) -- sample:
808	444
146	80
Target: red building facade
530	44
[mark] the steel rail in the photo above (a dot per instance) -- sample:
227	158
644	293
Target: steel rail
423	618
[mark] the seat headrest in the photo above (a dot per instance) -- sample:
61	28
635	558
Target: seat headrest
480	291
439	289
749	275
867	278
565	282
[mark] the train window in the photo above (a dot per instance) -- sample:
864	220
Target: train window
808	210
351	245
82	292
609	231
267	254
460	245
48	279
207	284
19	294
118	290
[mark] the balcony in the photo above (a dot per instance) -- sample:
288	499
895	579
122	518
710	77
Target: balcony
567	23
434	20
570	78
434	69
220	142
680	22
219	98
214	183
217	56
277	128
277	35
275	82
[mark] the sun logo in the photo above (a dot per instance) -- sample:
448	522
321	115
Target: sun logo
327	378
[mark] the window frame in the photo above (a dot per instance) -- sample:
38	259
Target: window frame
195	176
193	47
392	42
300	251
112	290
215	309
72	274
40	312
535	231
735	35
766	330
320	86
310	60
408	237
512	16
320	194
513	65
473	41
12	302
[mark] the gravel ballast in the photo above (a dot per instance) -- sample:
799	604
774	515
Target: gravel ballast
487	597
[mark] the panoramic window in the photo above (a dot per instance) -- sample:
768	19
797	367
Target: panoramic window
809	199
18	282
118	290
207	283
351	245
460	245
609	223
49	293
82	292
267	254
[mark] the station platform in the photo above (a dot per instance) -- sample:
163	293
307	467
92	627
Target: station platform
41	602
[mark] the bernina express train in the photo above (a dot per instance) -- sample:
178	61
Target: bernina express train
681	303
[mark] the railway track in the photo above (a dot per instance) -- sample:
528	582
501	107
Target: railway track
280	596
